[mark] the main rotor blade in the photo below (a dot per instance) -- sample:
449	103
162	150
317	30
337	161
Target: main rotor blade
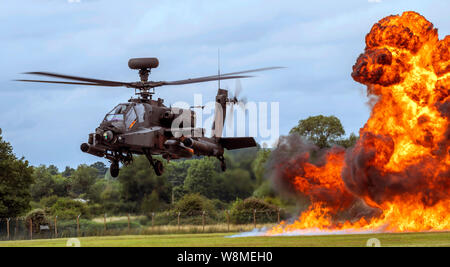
89	80
202	79
249	71
75	83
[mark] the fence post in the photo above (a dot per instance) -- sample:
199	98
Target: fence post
7	227
179	213
279	215
104	221
56	226
129	228
16	228
31	228
203	220
153	219
254	217
228	219
78	225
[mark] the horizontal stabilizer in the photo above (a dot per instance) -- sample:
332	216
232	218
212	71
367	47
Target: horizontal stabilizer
231	143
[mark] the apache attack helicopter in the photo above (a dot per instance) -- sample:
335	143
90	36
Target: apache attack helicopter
146	126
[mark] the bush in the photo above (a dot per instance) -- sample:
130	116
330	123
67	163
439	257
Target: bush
220	205
67	209
193	205
48	202
242	211
38	218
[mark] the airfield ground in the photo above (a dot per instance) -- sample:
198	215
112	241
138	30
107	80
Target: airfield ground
223	240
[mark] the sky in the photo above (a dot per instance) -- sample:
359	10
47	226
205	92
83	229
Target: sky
317	41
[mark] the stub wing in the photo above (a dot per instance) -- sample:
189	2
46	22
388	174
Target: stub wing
232	143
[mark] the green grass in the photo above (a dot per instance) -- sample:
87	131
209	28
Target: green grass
221	240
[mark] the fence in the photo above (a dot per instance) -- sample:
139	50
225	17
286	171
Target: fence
153	223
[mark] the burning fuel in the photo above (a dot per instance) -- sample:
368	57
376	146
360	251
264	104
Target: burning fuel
397	177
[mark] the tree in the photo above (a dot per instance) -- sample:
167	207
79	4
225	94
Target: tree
82	180
68	209
177	171
233	184
68	172
242	159
321	130
15	180
47	183
150	202
139	181
348	142
53	170
259	164
100	167
200	178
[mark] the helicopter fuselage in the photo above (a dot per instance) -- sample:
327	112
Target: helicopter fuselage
148	127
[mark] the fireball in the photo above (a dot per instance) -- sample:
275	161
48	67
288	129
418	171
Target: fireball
400	166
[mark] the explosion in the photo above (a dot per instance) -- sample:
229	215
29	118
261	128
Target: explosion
400	167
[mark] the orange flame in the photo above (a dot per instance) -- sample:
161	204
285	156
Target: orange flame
401	163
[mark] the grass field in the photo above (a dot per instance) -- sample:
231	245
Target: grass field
222	240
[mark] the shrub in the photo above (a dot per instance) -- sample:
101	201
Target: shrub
193	205
38	218
66	208
48	202
242	211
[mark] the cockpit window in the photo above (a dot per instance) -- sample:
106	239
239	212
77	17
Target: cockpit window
117	114
140	110
120	109
131	118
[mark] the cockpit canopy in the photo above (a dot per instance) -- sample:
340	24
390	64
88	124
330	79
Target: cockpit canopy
126	115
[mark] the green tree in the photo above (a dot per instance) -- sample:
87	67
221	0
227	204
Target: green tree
200	178
15	180
264	190
68	172
259	164
151	202
177	171
95	191
100	167
233	184
47	182
138	180
321	130
242	159
53	170
67	209
82	180
178	192
348	142
111	193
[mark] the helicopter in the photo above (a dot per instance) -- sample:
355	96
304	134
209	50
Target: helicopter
144	126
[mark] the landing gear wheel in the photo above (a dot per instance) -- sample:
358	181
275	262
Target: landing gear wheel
114	169
159	167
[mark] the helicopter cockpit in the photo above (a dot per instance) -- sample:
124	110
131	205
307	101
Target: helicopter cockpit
117	114
126	115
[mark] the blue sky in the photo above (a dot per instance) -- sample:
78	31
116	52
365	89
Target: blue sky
318	42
